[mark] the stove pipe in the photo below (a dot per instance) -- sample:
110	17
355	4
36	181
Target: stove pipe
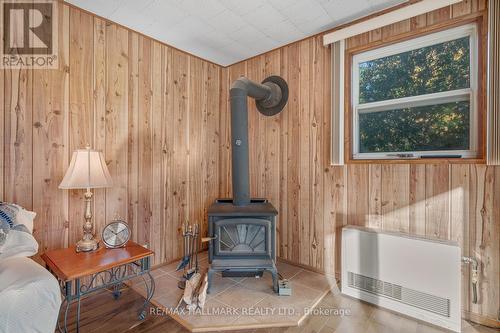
270	98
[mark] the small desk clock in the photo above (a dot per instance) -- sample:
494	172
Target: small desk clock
116	234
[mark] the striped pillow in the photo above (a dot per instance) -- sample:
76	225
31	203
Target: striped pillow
16	227
8	213
17	217
14	217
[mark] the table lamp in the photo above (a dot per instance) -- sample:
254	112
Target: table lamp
87	170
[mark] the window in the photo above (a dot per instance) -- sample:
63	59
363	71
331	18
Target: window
417	98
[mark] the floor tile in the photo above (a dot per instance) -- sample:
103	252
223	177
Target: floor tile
238	296
220	284
314	280
286	270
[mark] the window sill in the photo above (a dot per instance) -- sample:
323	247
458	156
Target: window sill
418	161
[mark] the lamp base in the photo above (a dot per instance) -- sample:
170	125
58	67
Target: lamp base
86	245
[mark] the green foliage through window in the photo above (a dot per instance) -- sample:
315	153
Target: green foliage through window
431	69
434	127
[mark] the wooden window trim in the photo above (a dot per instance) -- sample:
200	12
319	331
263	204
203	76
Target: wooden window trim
480	19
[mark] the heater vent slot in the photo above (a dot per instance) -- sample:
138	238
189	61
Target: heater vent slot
402	294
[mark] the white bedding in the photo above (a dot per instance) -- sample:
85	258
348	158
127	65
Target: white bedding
30	297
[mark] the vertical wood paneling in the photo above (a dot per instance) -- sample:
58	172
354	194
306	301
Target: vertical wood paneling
2	127
335	190
211	140
395	197
169	244
197	162
65	35
417	199
484	241
492	248
117	119
461	8
419	21
293	151
99	116
358	194
180	146
493	138
144	139
272	126
375	196
283	223
459	218
318	159
305	151
476	198
437	222
439	15
224	134
18	127
157	125
81	121
134	100
50	93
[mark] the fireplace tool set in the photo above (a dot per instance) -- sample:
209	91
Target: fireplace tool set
189	262
194	286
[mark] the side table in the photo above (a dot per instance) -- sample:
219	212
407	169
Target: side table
83	273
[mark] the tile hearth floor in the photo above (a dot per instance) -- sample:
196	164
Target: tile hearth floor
101	313
243	303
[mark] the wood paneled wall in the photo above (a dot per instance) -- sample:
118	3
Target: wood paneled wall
290	165
152	109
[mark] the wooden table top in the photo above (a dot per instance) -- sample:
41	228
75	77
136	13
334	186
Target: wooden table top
68	264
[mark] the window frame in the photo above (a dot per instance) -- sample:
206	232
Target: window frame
467	30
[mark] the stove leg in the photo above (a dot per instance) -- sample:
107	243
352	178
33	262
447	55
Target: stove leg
210	274
274	274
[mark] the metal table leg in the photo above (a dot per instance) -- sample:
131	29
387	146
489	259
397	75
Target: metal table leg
66	302
116	291
77	287
150	290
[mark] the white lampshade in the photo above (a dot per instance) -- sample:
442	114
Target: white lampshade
87	169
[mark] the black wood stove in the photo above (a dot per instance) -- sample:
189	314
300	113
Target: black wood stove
242	231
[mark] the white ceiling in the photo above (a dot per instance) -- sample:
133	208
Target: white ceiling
228	31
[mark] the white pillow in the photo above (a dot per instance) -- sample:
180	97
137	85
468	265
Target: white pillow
25	217
18	244
16	228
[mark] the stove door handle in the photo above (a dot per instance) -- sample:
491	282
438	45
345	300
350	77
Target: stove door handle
208	239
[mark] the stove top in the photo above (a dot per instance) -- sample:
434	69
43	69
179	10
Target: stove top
257	207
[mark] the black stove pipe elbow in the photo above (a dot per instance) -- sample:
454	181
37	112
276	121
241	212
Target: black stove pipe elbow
270	97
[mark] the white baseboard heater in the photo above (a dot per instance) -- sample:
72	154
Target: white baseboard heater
414	276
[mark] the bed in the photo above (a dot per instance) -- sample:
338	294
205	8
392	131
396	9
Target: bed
30	296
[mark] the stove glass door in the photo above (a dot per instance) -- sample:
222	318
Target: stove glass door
242	236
